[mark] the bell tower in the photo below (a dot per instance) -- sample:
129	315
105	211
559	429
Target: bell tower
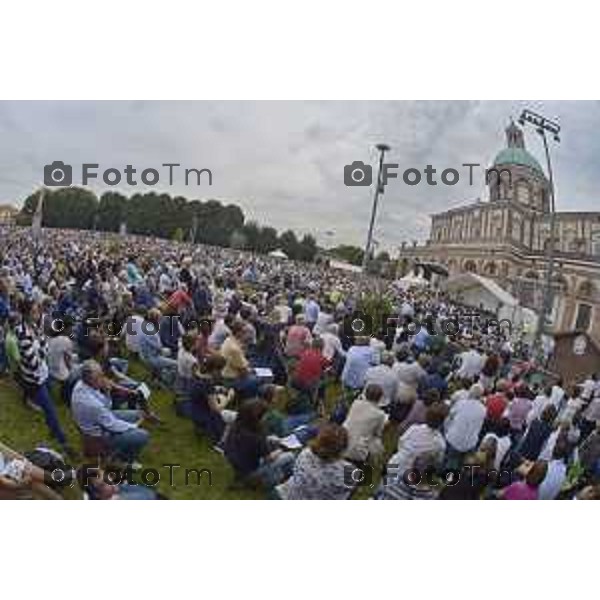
514	136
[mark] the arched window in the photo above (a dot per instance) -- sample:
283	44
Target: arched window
470	266
490	269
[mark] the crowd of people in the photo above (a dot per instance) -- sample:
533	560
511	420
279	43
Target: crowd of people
269	360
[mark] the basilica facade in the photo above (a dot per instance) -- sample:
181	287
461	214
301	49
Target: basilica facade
507	238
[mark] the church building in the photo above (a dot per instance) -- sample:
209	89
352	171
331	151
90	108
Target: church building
506	239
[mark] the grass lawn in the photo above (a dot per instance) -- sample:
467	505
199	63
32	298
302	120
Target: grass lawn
173	442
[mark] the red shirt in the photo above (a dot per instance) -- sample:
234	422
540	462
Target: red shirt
496	405
310	367
179	300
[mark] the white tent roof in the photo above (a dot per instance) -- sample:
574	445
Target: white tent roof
470	282
278	253
344	266
411	280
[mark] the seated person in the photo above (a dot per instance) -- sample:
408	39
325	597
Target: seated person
319	471
170	329
187	364
91	407
416	484
254	457
96	486
308	373
21	479
121	388
237	372
205	406
152	351
365	423
298	338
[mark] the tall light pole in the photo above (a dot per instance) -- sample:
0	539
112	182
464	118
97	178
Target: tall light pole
383	148
543	126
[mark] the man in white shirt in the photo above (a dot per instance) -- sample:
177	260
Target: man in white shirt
365	423
556	475
60	357
539	404
465	420
589	387
332	344
471	364
420	439
383	376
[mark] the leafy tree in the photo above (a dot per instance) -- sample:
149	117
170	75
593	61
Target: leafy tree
307	249
352	254
288	243
112	211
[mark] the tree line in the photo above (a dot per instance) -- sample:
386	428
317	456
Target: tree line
161	215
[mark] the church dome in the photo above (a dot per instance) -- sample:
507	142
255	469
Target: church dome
517	156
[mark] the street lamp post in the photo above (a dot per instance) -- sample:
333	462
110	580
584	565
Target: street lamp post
383	148
543	126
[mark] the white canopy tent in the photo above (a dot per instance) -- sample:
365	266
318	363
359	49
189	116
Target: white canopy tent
410	280
344	266
278	253
480	292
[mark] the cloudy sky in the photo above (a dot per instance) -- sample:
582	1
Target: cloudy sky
283	161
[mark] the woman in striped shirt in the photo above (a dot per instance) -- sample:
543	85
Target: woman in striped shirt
33	368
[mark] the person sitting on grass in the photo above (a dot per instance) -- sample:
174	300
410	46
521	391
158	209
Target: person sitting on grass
91	407
309	371
97	486
152	351
20	479
319	471
237	371
207	407
365	422
416	484
187	364
527	488
255	458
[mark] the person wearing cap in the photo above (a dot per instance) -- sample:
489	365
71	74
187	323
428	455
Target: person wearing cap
91	408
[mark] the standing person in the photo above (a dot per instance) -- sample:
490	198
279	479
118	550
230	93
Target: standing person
60	358
33	368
